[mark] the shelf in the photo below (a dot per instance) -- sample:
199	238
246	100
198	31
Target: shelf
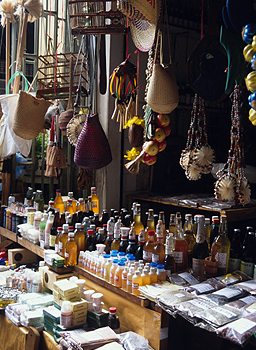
21	241
101	282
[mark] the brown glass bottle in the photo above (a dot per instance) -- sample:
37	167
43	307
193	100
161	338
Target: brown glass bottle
63	240
124	239
169	262
71	250
158	253
181	248
172	225
80	238
189	236
149	247
138	226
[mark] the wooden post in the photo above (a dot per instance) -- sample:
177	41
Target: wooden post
7	52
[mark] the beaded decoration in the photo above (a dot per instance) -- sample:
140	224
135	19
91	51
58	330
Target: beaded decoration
232	183
198	157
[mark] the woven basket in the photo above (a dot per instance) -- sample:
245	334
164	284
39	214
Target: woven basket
92	150
28	120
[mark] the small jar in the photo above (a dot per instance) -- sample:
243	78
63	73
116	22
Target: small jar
97	302
88	297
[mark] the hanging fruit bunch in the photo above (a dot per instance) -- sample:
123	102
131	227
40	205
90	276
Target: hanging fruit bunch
249	37
123	85
232	185
198	157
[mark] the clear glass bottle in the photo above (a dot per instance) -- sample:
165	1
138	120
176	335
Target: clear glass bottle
58	202
71	250
138	226
181	248
189	236
113	320
81	205
158	253
80	238
150	222
221	247
149	247
172	225
74	201
95	202
200	250
132	246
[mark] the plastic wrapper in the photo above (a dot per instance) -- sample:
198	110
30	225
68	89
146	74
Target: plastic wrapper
239	331
232	278
248	286
243	302
191	309
209	286
226	295
133	341
219	316
183	279
168	300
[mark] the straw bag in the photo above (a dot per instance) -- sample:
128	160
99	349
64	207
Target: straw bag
28	120
92	149
162	95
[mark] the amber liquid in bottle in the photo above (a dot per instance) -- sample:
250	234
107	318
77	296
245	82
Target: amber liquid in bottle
181	249
63	240
58	202
69	208
158	254
189	236
95	202
71	251
162	218
149	247
138	226
80	238
150	223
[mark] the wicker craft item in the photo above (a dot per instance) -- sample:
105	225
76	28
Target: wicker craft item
95	17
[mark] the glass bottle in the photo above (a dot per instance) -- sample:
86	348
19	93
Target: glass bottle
51	206
235	251
172	225
81	205
58	202
95	203
123	213
161	217
181	248
110	234
215	229
208	231
132	246
200	250
221	247
91	240
115	244
149	247
74	202
42	226
80	238
69	208
47	230
39	201
100	236
158	253
29	197
150	222
189	236
57	240
104	217
138	226
248	254
124	239
113	320
136	283
141	242
63	240
53	233
169	262
71	250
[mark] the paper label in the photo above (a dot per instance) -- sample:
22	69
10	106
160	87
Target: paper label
178	257
250	284
201	303
234	264
203	287
135	285
155	258
147	256
247	268
188	278
222	260
129	283
248	300
198	267
242	325
228	292
226	312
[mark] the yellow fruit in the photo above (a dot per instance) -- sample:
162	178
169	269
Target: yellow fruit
159	135
151	148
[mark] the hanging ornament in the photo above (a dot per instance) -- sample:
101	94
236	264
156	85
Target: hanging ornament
232	185
198	157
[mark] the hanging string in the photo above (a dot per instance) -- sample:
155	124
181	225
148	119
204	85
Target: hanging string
202	19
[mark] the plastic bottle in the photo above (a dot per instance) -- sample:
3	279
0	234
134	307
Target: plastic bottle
118	274
103	262
113	270
136	283
153	275
107	268
124	277
161	273
48	227
66	315
129	279
145	277
36	283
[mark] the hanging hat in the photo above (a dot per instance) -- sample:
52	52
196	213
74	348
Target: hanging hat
143	17
206	66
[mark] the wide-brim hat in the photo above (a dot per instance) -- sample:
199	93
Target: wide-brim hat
143	17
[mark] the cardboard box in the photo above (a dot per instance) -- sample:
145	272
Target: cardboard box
21	256
50	277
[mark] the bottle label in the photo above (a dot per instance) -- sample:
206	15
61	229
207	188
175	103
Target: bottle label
234	264
155	258
129	282
222	260
66	255
56	248
124	277
198	267
94	204
135	285
247	268
52	240
42	244
178	257
60	246
147	256
116	278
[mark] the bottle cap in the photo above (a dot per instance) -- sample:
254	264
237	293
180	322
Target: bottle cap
160	266
151	233
121	263
59	228
66	306
121	254
115	261
78	225
131	258
97	296
112	310
106	256
153	264
90	232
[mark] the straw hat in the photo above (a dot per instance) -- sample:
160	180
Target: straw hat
143	17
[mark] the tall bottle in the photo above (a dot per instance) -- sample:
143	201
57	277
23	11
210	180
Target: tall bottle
141	243
161	217
132	246
51	206
181	248
74	202
172	225
63	240
110	234
81	205
150	222
158	253
104	217
115	245
221	247
124	239
95	202
208	231
138	226
80	238
58	202
42	226
91	240
149	247
189	236
169	262
235	251
28	202
53	233
57	240
39	201
69	207
215	229
71	250
200	250
47	231
248	254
